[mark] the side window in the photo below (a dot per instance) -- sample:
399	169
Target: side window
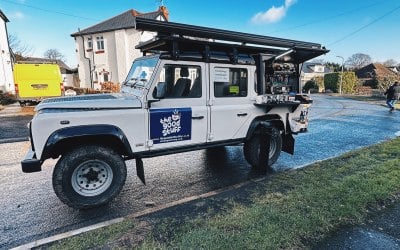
182	81
230	82
100	42
89	43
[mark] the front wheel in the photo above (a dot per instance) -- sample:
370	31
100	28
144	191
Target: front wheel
89	176
251	149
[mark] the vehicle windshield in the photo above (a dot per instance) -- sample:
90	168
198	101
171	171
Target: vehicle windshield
140	72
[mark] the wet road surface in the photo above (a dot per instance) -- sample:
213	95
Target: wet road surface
30	210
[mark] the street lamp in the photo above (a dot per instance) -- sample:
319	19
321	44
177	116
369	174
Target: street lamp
341	75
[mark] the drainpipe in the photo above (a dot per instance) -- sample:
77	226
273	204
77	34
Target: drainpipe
94	67
87	58
12	61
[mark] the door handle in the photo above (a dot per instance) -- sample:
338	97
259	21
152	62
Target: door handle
241	114
197	117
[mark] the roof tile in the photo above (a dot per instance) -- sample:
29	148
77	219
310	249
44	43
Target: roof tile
122	21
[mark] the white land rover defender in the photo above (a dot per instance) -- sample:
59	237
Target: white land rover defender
198	88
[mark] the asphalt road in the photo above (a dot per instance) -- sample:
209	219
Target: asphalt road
30	210
14	128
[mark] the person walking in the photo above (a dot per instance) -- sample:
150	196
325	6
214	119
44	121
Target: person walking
391	95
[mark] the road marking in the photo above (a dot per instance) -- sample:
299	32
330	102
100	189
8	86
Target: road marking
57	237
75	232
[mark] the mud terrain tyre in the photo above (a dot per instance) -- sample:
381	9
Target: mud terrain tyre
89	176
251	149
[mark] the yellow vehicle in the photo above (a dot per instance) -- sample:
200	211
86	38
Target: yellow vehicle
37	81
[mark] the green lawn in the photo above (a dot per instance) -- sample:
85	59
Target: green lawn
288	210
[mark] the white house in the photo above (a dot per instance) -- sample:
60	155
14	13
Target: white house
6	71
311	70
105	51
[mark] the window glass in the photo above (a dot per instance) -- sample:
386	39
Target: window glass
105	76
182	81
89	43
230	82
100	42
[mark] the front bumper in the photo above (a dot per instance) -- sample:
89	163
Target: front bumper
30	164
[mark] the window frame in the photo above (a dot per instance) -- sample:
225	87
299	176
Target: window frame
176	75
89	43
239	70
100	43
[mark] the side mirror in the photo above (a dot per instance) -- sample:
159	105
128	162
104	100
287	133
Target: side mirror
160	90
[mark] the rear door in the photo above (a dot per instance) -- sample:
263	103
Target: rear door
38	80
181	117
230	101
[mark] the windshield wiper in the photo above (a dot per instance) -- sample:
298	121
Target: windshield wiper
131	82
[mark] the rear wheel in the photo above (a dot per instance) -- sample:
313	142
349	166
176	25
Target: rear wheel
251	149
89	176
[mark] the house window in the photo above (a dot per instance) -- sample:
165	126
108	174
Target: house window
95	77
105	76
100	43
90	43
230	82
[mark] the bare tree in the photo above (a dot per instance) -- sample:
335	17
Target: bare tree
390	63
358	60
21	50
54	54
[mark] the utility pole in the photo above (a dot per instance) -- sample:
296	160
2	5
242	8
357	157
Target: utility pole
341	75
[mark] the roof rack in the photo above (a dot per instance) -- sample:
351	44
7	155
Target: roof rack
219	34
181	40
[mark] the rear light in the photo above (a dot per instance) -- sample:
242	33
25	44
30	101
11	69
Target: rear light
16	89
62	87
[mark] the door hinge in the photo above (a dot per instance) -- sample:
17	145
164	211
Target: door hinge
210	137
210	102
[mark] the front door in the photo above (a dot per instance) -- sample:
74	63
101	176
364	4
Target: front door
181	118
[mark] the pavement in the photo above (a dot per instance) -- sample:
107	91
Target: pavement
16	110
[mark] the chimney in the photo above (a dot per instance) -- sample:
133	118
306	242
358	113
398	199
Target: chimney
164	10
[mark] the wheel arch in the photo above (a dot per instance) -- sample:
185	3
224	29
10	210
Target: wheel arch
273	121
266	120
105	135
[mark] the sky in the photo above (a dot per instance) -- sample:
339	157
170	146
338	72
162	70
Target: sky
345	27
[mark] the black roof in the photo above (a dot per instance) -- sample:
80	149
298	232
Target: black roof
124	20
3	16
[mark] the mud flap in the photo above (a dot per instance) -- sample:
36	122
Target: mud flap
265	141
140	170
288	144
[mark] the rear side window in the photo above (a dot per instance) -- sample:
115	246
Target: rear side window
230	82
